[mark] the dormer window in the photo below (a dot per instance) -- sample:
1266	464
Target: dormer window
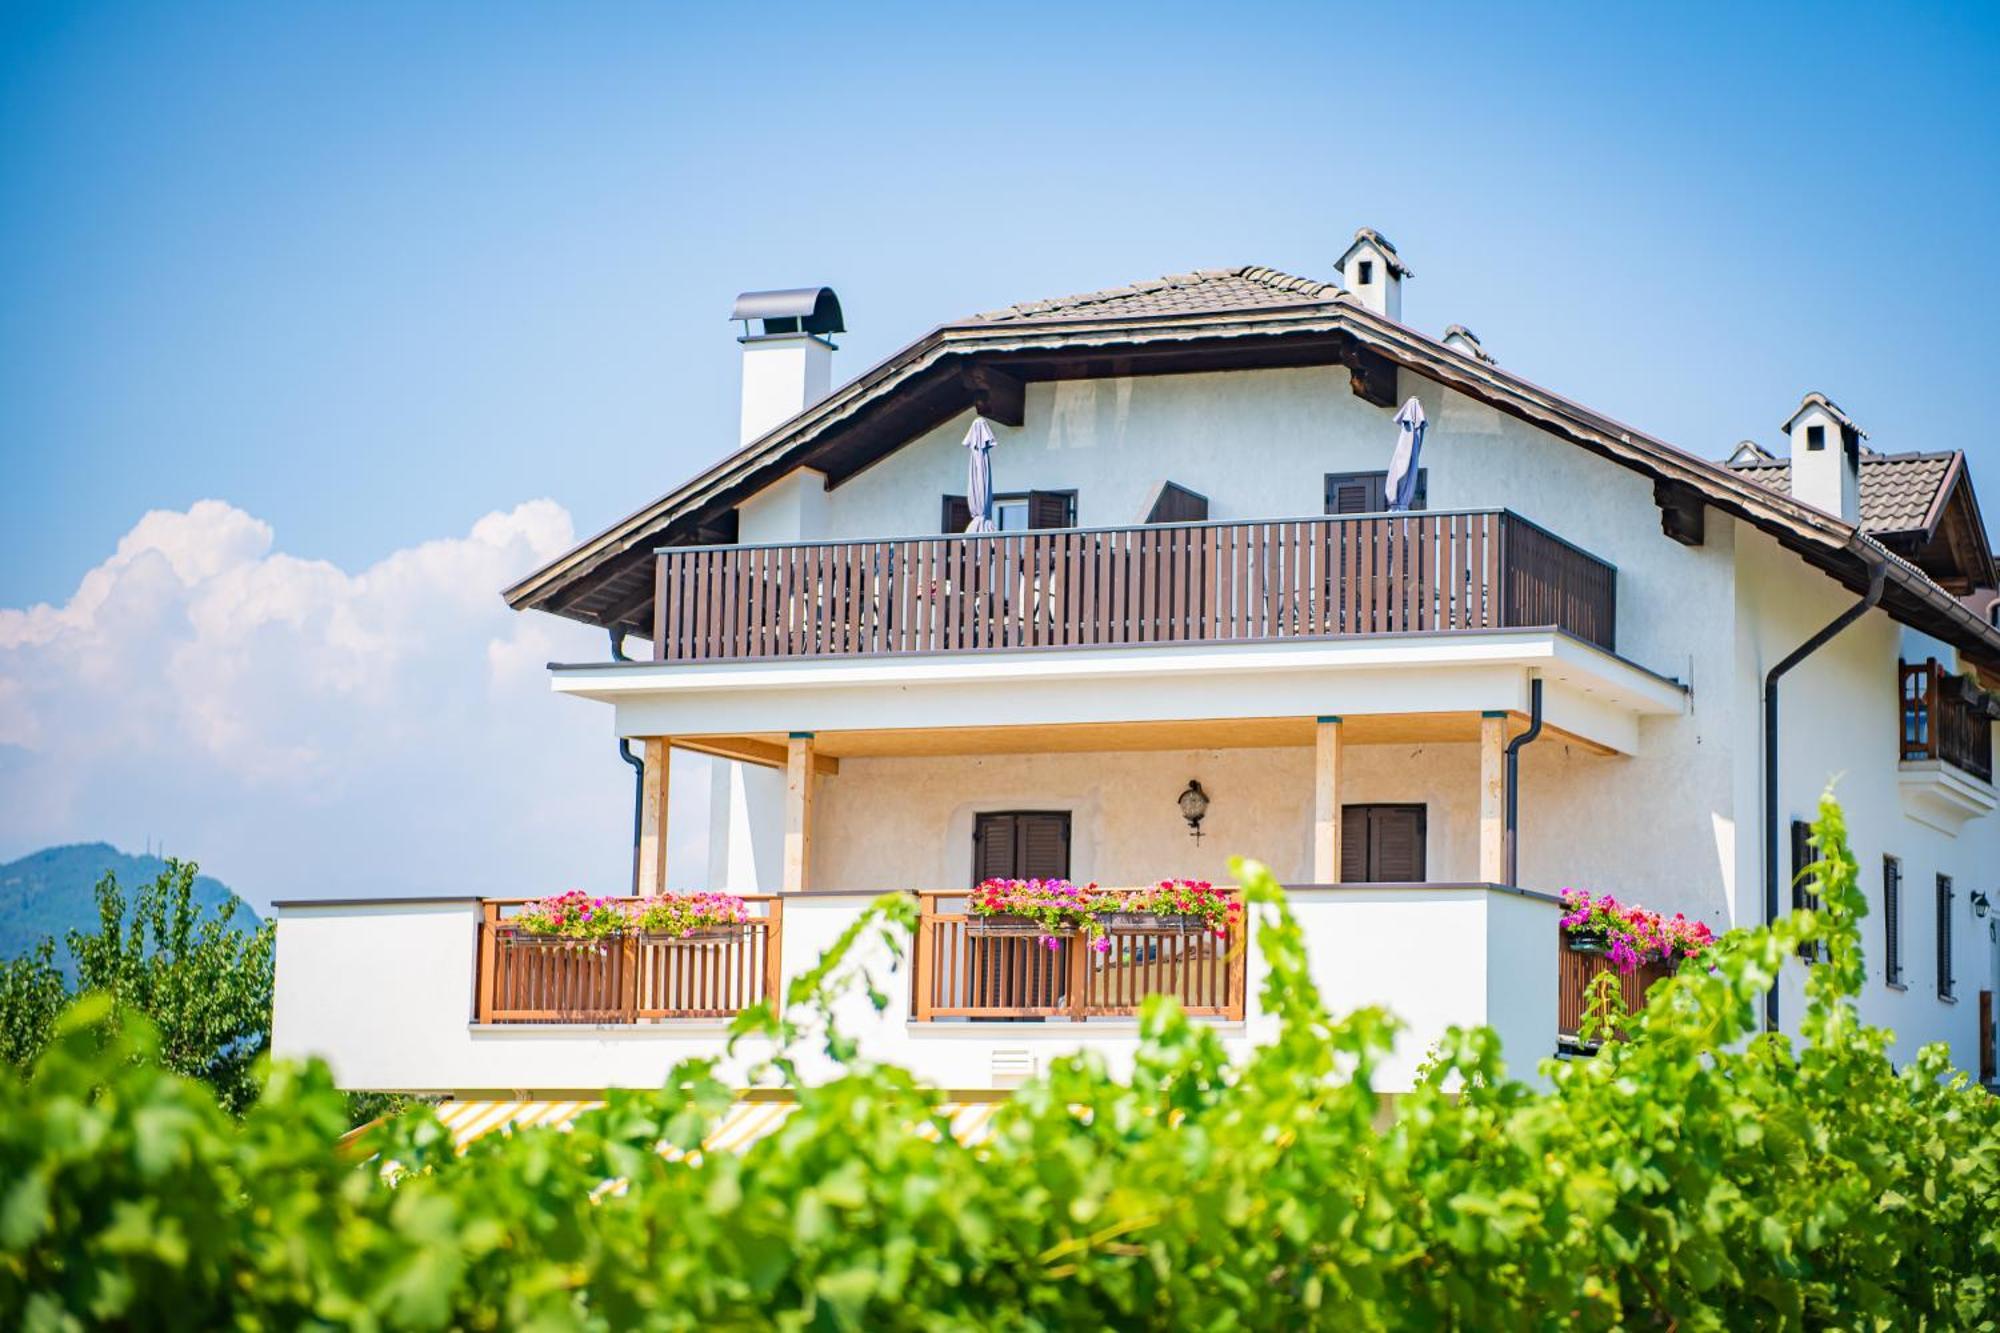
1365	272
1815	437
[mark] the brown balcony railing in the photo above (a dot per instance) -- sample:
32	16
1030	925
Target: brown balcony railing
1575	970
1088	587
1940	722
635	978
970	968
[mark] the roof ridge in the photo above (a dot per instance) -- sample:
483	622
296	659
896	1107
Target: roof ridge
1270	279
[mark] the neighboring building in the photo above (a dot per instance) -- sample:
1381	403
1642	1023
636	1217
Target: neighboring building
1193	583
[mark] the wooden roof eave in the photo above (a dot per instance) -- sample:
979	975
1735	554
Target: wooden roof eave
1834	546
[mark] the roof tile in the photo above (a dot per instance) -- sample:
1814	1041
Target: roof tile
1205	291
1897	490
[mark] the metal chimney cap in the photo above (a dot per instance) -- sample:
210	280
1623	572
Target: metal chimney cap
792	310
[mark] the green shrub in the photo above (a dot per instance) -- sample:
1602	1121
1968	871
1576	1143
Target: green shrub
1698	1175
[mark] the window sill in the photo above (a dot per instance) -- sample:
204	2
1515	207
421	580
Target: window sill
1947	999
1898	986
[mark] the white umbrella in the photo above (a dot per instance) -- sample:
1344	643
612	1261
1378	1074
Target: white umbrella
979	477
1401	485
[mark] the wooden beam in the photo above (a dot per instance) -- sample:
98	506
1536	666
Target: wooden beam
1492	797
653	817
1370	375
999	397
1326	801
750	750
799	780
1682	513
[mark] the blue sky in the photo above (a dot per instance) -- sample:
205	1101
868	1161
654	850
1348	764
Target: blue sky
367	273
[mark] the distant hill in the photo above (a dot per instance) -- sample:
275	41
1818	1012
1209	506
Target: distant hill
52	892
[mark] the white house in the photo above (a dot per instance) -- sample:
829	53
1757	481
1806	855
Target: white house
1561	668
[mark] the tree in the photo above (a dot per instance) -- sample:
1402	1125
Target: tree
202	981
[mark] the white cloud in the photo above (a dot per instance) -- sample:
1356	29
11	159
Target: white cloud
306	731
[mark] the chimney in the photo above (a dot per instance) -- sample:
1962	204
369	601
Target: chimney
1373	272
787	353
1826	457
1466	343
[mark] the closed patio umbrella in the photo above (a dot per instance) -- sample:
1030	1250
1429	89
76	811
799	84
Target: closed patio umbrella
1400	487
979	476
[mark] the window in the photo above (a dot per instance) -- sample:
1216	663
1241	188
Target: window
1815	437
1944	936
1018	511
1367	492
1366	270
1892	920
1804	856
1020	844
1382	844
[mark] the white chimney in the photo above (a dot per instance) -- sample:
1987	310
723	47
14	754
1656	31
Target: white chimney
1466	343
1374	273
787	353
1826	457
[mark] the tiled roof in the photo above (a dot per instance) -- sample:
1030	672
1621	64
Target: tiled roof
1897	490
1205	291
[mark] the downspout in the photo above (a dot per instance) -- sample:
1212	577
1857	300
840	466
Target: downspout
1878	570
638	768
1513	850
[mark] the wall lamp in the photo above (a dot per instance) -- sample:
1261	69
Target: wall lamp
1194	807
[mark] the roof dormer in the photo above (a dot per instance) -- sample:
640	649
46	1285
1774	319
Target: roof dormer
1373	272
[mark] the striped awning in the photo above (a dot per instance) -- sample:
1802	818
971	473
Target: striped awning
742	1125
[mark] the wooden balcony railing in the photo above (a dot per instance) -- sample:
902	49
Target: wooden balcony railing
964	971
1313	578
631	979
1575	971
1940	722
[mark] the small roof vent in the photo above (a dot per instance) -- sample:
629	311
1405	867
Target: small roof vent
814	310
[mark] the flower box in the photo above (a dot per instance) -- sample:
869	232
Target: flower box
1589	941
696	935
1004	924
1179	923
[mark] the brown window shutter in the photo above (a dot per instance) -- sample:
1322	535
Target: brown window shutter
993	847
1051	509
1354	844
1892	920
1396	844
1368	492
1044	846
1803	856
1944	978
1178	504
957	514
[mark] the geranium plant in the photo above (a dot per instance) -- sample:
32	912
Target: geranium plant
1056	905
575	916
1216	908
681	914
1633	936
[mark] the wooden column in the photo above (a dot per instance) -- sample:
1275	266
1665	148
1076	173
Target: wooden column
1326	801
798	810
1492	797
653	817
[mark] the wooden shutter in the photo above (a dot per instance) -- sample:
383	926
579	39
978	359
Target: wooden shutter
957	514
1050	509
1368	492
1944	936
1178	504
1382	844
1044	846
1396	844
1892	920
1030	844
1803	856
1354	844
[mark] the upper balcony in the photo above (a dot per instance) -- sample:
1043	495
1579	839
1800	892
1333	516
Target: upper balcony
1242	582
1945	747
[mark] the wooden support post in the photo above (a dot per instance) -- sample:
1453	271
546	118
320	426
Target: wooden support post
926	958
774	954
1326	801
1492	797
653	817
489	921
798	810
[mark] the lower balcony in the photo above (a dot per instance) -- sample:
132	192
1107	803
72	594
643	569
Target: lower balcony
1945	749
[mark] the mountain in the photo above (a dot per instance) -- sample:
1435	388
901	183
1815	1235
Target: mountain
53	891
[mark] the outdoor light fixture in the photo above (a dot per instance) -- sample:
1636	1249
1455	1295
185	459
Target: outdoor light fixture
1194	805
1980	903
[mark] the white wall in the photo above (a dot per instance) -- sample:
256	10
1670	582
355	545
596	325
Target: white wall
384	993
